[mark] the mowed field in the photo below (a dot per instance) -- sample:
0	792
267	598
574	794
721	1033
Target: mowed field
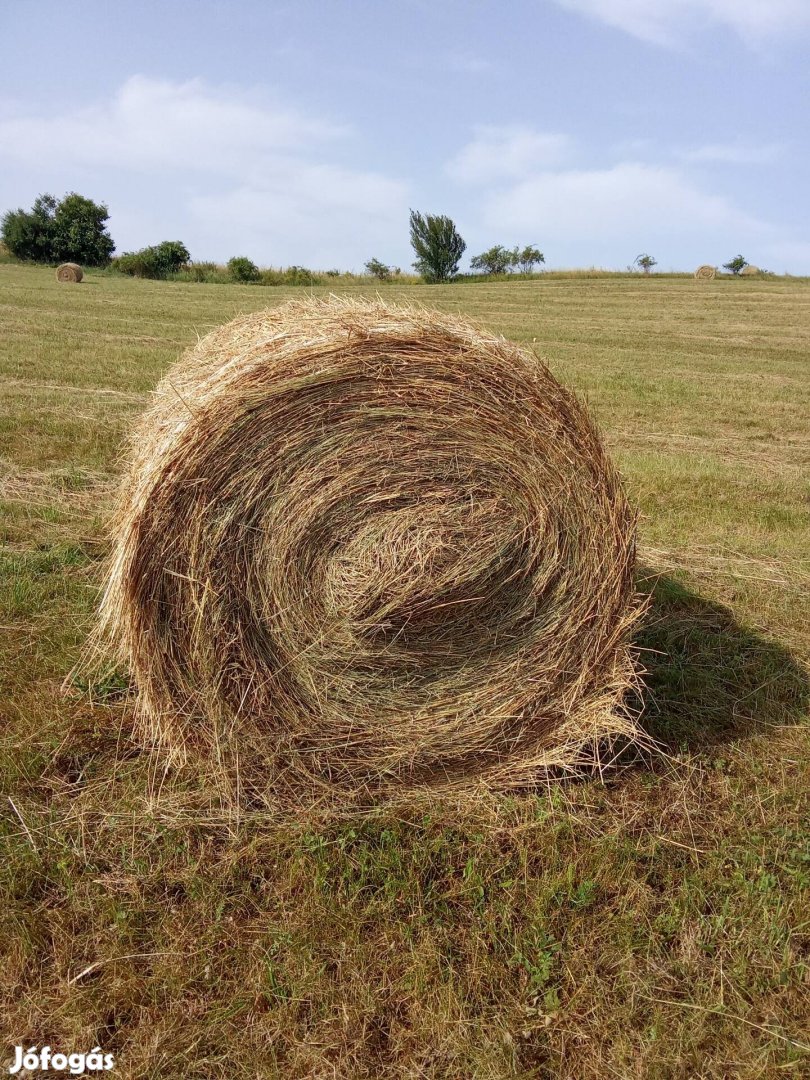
654	922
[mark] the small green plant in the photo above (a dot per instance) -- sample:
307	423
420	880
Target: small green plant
736	265
243	270
645	262
379	270
209	272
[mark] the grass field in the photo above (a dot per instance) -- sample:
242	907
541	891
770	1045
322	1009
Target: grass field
652	924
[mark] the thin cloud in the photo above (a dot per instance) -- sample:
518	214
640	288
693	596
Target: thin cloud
496	154
665	21
734	154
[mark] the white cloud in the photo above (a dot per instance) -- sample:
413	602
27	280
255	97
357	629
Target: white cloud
734	154
500	153
589	217
222	169
154	123
663	21
467	63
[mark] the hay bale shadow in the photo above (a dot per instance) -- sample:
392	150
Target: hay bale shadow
710	679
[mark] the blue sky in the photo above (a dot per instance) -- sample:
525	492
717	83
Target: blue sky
303	132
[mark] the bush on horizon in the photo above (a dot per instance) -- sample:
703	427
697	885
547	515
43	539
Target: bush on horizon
157	262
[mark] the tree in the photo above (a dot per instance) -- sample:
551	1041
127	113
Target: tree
437	245
527	258
28	234
73	230
646	262
80	231
379	270
242	269
496	260
736	265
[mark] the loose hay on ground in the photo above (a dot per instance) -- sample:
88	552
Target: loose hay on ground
362	550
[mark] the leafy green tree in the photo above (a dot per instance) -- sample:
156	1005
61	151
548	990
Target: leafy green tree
495	260
72	230
80	231
736	265
646	262
528	257
437	245
243	270
28	233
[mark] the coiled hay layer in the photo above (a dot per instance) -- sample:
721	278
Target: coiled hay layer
69	272
706	273
365	549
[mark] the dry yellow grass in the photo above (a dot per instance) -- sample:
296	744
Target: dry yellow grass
650	925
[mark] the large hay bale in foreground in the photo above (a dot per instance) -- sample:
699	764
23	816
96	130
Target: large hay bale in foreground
69	272
706	273
363	549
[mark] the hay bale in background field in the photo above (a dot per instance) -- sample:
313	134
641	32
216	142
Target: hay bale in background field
70	272
750	271
706	273
363	549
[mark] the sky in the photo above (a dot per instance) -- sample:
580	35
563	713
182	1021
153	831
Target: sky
302	133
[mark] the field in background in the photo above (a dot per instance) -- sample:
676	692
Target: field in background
654	926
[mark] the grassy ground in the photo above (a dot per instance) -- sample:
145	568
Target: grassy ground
654	925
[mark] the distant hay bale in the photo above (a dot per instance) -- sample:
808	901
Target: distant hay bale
750	271
706	273
70	272
362	550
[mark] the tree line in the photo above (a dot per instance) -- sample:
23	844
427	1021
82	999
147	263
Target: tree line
74	229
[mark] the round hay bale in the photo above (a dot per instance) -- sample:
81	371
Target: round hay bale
750	271
70	272
706	273
364	549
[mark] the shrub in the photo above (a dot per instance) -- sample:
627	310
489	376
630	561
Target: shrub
646	262
736	265
242	269
292	275
379	270
209	272
154	262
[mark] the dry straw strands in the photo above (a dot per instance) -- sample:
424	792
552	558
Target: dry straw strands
363	550
706	273
70	272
